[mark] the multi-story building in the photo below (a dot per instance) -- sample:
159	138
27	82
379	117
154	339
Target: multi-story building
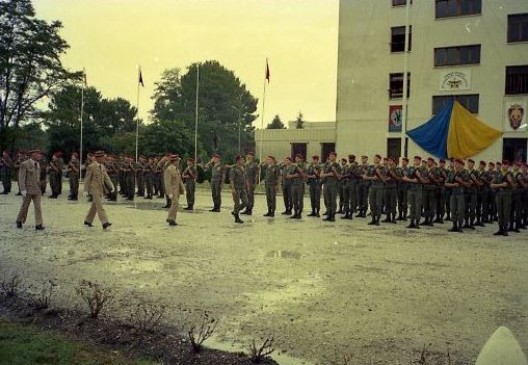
473	50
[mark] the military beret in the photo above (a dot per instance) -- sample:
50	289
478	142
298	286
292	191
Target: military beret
385	158
299	155
518	163
378	156
442	160
288	158
393	159
471	160
505	162
482	163
417	158
251	153
491	163
343	160
405	159
351	156
34	151
430	159
498	163
75	154
217	155
332	153
99	154
364	156
458	160
315	157
239	157
272	157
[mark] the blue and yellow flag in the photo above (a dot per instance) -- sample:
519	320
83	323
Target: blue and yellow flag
454	132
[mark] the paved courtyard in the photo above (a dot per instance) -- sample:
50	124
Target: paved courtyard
320	289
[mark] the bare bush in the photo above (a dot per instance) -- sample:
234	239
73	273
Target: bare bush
11	286
43	299
199	333
146	317
95	296
259	353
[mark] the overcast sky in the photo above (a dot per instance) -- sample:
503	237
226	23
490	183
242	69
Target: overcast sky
111	37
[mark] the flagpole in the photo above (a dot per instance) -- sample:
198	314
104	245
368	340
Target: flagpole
263	112
81	144
196	114
137	116
404	140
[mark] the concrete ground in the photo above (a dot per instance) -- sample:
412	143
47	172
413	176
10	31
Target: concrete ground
322	290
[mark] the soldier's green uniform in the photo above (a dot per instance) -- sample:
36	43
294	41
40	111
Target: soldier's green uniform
482	196
237	179
6	169
363	192
343	167
149	173
217	179
457	197
329	184
391	194
488	200
189	177
414	197
297	170
73	177
439	175
271	179
354	176
503	196
376	189
55	176
251	170
112	169
286	189
16	166
471	199
141	166
314	186
516	201
403	187
43	174
428	196
130	173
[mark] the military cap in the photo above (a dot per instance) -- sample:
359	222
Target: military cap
506	162
174	157
518	163
315	157
405	159
364	156
430	159
272	157
239	157
378	156
34	151
250	153
99	154
299	155
288	158
498	163
385	158
471	160
458	160
417	158
482	163
332	153
351	156
442	160
217	155
491	163
343	160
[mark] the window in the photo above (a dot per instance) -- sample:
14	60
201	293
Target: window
394	147
399	2
470	102
514	149
518	28
516	80
396	85
326	148
461	55
298	148
398	39
450	8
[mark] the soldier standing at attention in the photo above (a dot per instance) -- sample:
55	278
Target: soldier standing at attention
129	175
28	178
189	177
391	191
353	174
286	186
148	171
489	210
439	174
428	192
174	187
6	167
376	176
43	163
314	185
471	196
112	170
403	187
21	157
251	170
141	167
482	194
97	183
296	174
217	181
503	184
516	205
414	194
73	176
55	175
524	183
341	184
271	180
238	187
456	181
329	178
363	188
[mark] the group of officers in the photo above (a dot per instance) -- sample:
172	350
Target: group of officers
425	192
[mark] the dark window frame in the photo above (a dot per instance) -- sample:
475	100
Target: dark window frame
463	55
516	80
518	28
395	90
400	2
469	101
455	8
397	40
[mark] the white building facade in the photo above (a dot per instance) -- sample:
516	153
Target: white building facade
473	50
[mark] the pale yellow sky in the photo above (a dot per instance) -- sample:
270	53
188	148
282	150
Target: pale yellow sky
111	37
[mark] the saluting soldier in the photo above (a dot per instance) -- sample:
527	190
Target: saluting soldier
271	180
363	188
286	186
457	181
73	176
174	186
329	178
28	178
314	186
403	187
189	177
471	195
251	170
238	187
296	174
97	183
503	185
414	194
376	175
6	167
217	180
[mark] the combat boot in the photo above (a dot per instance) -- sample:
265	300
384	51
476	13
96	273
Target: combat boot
312	214
237	219
268	214
317	213
411	225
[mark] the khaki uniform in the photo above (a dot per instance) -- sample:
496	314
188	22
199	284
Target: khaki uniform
174	187
97	183
28	179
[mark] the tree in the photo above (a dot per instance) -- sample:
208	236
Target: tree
167	136
225	105
276	123
30	66
299	122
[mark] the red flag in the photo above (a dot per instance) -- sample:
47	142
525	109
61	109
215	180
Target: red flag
141	78
267	71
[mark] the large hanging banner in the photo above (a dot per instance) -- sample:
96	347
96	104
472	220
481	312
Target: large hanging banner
515	116
395	118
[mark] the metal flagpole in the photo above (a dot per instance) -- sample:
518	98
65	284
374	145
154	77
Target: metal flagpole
82	112
263	113
196	114
137	115
404	140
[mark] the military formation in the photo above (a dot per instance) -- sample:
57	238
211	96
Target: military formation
423	192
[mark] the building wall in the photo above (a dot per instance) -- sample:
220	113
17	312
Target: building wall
365	62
